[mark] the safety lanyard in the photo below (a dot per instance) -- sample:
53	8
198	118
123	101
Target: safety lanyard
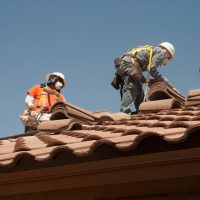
148	76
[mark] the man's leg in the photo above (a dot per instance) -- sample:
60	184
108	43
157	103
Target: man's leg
140	97
129	94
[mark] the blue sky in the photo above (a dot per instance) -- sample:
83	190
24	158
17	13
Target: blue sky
80	38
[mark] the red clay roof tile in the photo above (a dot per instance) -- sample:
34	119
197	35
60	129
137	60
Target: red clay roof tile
162	91
155	106
194	92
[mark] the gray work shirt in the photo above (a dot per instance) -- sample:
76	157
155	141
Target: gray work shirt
143	59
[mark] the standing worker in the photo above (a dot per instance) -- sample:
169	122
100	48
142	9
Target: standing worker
129	72
41	98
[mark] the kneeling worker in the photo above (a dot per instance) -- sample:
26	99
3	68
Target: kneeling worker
41	98
130	68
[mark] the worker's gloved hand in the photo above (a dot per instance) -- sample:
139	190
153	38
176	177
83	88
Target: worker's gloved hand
33	113
33	110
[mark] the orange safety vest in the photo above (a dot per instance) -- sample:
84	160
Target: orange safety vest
45	96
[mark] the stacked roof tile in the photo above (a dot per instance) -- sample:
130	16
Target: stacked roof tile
103	130
193	98
160	91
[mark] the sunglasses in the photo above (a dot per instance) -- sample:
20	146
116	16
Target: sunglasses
57	78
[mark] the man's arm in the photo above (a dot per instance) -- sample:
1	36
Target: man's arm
157	61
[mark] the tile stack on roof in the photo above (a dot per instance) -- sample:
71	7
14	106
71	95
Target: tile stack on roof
161	91
155	106
62	110
66	110
193	98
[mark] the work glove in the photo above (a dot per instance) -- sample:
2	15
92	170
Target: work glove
33	110
33	113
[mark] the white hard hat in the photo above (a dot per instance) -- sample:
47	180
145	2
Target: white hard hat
56	74
169	48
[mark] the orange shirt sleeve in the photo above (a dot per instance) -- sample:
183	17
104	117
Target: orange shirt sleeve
33	90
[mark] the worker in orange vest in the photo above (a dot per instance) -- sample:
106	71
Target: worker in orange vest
41	98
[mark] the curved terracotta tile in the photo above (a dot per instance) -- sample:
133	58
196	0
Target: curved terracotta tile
178	124
193	129
101	134
59	113
175	137
194	92
167	118
179	137
192	103
20	145
195	98
98	144
33	142
123	139
183	118
193	123
82	148
99	114
58	125
10	160
65	139
191	113
144	124
163	124
50	141
125	146
80	113
195	118
7	160
132	132
6	146
155	106
91	137
106	116
161	90
148	122
53	152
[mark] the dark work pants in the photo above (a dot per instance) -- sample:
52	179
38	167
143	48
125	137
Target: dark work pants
132	92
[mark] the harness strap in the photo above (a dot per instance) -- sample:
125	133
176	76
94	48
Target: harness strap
134	51
42	101
150	59
57	94
147	79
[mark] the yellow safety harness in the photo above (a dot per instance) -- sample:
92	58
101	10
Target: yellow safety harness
134	51
42	100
